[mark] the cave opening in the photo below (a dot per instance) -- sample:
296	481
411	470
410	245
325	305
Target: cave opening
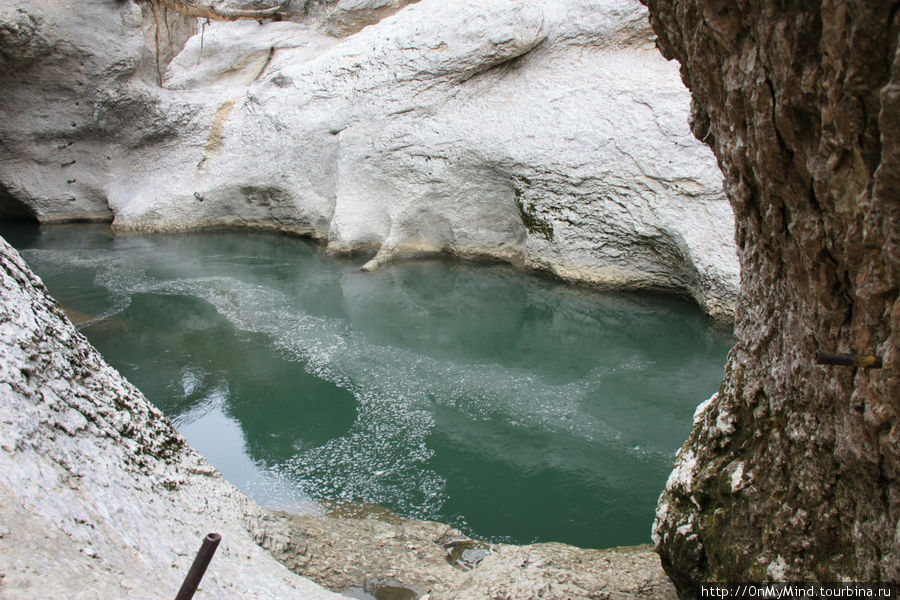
12	209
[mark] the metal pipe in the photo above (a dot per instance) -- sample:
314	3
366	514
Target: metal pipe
864	361
198	568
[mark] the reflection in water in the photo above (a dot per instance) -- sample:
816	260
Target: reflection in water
506	404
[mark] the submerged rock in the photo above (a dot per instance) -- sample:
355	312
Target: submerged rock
547	133
792	471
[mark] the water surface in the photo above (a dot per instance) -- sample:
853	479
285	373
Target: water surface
509	405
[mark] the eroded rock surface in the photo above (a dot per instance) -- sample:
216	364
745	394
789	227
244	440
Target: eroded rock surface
547	133
99	495
792	471
365	549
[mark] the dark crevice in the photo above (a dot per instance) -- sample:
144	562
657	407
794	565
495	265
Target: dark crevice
503	67
12	209
869	140
781	141
266	64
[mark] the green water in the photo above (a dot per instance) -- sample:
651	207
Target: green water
506	404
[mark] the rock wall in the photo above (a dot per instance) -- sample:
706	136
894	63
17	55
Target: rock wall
547	133
56	78
99	495
792	471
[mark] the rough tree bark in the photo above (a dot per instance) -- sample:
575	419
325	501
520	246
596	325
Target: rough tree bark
793	470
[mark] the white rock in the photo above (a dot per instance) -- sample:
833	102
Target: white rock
350	16
701	409
737	478
777	569
683	471
117	502
54	76
548	133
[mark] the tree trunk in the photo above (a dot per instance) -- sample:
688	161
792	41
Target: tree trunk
793	470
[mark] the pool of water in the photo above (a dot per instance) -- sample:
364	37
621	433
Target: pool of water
509	405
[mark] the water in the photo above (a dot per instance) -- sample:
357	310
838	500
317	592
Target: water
508	405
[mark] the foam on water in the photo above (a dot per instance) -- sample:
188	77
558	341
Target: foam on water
383	457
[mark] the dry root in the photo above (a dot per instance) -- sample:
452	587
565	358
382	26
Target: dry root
206	11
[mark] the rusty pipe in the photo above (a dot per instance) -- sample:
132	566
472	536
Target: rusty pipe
198	568
864	361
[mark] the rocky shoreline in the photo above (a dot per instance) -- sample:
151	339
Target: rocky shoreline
99	496
97	487
373	549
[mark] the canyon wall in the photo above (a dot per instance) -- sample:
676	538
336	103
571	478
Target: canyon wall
436	131
547	133
792	471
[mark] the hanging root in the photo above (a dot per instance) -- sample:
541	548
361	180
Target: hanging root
154	5
204	11
202	34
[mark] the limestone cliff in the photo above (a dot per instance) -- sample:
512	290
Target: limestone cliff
793	470
547	133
